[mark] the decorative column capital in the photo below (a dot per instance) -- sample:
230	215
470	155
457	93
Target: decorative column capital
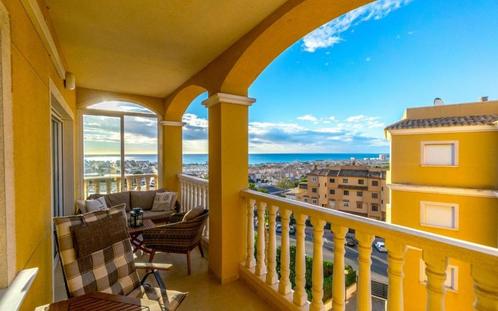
172	123
228	99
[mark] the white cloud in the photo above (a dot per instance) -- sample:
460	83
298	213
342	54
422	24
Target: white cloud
307	117
329	34
193	120
357	133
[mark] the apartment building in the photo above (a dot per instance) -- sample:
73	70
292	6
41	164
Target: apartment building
359	190
444	180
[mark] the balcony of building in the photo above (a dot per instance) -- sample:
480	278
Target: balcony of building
240	269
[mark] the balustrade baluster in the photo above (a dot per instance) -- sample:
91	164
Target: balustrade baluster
338	281
284	286
186	196
395	260
364	262
485	287
108	186
97	186
128	183
260	256
317	274
190	197
435	269
147	183
203	196
250	261
271	275
138	181
182	195
299	291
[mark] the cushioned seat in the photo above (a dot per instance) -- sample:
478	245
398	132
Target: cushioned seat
133	199
96	256
157	215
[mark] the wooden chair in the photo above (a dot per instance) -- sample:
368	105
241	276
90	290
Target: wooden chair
105	262
179	238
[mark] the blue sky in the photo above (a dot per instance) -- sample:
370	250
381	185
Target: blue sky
336	89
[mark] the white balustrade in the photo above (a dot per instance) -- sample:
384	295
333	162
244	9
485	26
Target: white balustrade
436	250
114	183
193	193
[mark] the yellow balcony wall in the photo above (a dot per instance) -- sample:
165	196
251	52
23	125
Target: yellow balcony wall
477	166
31	71
477	217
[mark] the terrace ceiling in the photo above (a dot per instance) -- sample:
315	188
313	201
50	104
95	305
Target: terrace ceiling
149	47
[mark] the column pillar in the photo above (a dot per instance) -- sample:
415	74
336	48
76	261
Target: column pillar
395	261
172	154
485	287
364	261
435	269
228	170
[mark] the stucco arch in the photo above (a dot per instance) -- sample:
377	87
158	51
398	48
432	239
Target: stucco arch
177	103
235	69
86	97
269	39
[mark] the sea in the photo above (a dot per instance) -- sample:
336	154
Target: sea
259	158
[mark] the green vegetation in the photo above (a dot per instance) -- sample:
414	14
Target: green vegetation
253	186
327	274
286	183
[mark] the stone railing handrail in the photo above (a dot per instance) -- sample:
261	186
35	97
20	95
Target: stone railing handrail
117	176
436	250
193	179
114	183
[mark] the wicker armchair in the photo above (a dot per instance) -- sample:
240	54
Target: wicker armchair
179	238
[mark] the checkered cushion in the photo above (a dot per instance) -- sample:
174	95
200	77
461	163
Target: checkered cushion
110	270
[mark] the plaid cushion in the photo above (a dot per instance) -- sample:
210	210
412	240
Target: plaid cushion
110	270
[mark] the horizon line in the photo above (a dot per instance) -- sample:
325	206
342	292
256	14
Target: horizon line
152	154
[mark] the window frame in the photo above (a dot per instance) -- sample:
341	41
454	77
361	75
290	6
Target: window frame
455	144
423	217
121	115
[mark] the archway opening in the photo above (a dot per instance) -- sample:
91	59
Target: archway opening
195	138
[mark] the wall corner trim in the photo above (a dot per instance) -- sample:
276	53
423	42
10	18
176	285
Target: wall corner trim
486	193
41	26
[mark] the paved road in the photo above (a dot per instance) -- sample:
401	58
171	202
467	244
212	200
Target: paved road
379	260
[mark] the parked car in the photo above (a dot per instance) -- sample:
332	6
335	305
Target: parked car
381	248
292	229
350	241
279	228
